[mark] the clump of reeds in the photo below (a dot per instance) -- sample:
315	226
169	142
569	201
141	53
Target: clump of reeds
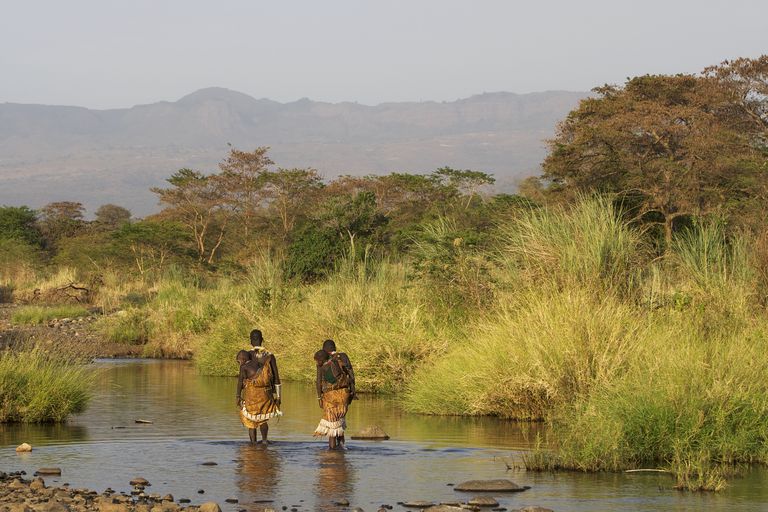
521	363
36	387
588	244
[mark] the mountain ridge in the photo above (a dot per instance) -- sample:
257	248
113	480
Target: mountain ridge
53	152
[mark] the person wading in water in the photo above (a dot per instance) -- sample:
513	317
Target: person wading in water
335	385
258	388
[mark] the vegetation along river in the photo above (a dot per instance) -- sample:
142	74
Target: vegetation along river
194	422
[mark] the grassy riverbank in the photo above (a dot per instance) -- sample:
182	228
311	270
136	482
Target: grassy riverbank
37	388
40	314
635	357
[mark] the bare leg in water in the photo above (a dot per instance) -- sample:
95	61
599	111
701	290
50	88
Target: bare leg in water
252	435
264	427
332	443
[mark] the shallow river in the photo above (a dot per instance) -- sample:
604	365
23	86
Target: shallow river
195	421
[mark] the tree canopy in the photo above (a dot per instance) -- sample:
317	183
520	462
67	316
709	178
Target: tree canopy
679	145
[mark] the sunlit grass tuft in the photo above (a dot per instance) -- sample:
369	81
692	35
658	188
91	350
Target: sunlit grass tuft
36	387
42	314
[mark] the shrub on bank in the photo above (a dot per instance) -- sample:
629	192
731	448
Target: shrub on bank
36	387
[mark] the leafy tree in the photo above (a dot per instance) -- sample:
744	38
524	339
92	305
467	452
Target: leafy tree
242	179
62	219
355	218
152	244
677	145
312	253
198	202
19	223
112	216
468	183
290	193
89	251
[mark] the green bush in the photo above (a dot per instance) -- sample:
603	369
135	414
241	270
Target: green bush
312	253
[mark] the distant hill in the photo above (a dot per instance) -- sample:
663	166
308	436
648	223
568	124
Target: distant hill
50	153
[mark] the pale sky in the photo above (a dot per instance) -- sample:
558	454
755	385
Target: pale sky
118	53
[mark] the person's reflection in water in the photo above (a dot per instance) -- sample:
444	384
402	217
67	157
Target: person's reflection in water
335	480
258	472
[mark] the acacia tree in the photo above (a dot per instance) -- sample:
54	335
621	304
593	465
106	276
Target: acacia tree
242	179
19	223
61	219
198	201
112	216
679	144
151	243
289	193
467	182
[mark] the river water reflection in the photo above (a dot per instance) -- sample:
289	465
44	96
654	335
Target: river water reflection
195	421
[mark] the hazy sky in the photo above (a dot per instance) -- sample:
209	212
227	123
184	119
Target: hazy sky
117	53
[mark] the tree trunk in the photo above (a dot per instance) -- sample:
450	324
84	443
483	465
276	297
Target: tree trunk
668	221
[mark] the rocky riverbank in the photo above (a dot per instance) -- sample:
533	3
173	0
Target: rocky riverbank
21	494
18	494
76	337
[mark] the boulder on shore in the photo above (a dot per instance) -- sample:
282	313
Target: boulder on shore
371	433
499	485
210	506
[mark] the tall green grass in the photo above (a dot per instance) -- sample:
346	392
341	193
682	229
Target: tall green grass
624	382
36	387
588	244
376	315
559	328
520	363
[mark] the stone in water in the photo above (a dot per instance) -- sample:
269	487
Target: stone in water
418	504
372	433
483	501
49	471
499	485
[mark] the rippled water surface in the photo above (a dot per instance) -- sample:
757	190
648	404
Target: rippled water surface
195	421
